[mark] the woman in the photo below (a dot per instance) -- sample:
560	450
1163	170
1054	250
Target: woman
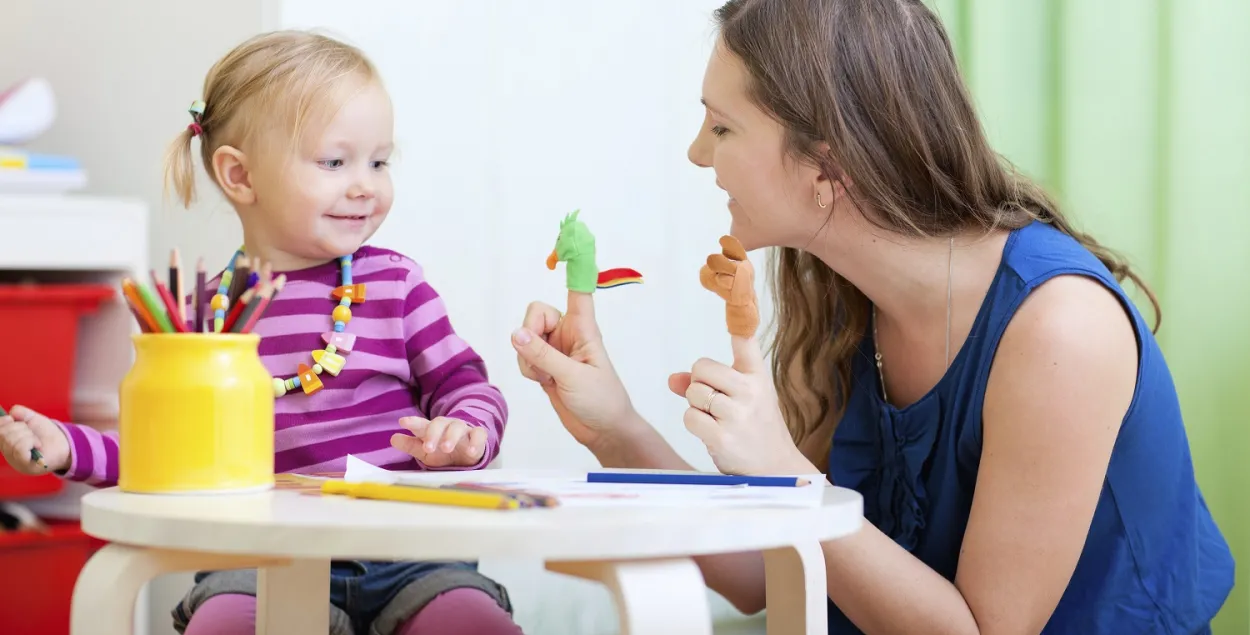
946	344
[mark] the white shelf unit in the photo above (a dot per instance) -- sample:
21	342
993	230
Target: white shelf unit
82	239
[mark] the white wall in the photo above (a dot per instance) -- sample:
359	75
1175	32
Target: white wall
510	115
124	73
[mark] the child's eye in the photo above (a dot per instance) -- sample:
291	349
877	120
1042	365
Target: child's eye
332	164
719	130
378	165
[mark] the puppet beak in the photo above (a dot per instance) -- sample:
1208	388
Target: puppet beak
551	260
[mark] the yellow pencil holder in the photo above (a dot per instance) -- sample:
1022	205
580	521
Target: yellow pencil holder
196	416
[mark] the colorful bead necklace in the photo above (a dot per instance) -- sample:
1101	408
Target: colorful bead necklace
327	360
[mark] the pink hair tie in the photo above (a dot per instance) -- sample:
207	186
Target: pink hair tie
195	129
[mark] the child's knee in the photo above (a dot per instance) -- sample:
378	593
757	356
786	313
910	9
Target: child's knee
226	614
461	611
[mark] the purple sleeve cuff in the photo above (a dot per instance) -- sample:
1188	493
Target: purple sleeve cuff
92	455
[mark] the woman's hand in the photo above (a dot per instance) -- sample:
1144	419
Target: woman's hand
565	355
734	411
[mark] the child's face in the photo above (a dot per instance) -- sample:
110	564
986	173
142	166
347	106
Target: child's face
330	197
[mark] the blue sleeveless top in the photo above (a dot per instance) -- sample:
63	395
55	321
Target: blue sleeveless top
1154	561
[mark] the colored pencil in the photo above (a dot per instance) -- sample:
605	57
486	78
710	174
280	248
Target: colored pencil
257	306
171	307
527	499
143	304
201	302
694	478
175	284
418	494
238	282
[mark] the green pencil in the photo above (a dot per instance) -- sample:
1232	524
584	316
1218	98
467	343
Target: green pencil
155	307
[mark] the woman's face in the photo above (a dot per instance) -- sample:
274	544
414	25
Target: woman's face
772	198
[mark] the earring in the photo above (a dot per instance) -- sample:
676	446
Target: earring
822	205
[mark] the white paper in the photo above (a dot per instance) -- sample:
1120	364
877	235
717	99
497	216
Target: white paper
572	489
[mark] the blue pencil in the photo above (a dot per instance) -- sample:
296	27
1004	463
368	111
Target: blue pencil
694	478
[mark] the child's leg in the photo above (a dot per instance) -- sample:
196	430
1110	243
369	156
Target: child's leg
402	598
460	611
228	614
225	602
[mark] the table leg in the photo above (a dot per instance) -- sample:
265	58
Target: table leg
287	597
797	592
109	584
655	597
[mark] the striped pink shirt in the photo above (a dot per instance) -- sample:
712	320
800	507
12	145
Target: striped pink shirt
406	360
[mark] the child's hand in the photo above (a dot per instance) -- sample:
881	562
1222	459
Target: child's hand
442	442
24	429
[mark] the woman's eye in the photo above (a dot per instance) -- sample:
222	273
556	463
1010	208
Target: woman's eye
719	130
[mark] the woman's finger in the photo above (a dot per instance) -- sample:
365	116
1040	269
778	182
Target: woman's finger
541	318
706	399
702	425
678	383
542	357
718	376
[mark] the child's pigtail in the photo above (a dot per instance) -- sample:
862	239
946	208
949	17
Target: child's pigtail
179	162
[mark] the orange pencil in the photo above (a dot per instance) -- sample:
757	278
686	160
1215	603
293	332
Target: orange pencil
146	322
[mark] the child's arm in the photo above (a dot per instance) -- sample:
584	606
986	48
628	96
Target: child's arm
92	455
449	374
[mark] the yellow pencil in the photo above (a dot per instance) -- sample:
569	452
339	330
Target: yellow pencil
417	494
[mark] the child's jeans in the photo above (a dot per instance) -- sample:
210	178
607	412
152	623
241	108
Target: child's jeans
366	597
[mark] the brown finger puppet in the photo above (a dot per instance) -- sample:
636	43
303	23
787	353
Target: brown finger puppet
730	275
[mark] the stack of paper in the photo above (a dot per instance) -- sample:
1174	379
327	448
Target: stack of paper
572	489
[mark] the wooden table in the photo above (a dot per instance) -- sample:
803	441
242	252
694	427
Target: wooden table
642	555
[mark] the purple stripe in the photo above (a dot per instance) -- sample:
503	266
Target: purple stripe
330	432
372	328
388	283
110	459
418	296
81	467
436	381
307	342
436	391
335	395
288	460
384	308
286	365
389	402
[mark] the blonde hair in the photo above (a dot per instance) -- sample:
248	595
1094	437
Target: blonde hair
276	81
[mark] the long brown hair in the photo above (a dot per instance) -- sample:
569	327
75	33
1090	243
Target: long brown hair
878	82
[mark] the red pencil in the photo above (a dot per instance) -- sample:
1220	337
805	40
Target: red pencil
258	304
162	292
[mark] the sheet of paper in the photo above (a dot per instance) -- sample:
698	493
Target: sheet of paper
573	490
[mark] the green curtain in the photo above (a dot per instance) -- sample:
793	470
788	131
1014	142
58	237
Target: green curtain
1136	115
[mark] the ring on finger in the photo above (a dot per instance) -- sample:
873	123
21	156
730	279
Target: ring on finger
711	397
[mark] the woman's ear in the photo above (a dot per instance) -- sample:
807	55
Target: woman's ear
830	180
230	168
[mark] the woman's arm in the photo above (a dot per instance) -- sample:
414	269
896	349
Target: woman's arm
1061	383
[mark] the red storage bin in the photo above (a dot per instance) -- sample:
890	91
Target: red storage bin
41	322
39	572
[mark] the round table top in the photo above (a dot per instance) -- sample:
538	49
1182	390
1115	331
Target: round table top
290	523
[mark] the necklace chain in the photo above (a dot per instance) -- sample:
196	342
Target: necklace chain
876	344
338	342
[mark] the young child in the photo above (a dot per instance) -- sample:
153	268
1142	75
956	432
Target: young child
296	130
